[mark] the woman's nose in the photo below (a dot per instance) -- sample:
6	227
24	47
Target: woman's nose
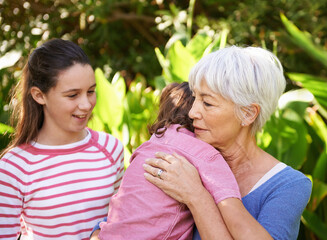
194	113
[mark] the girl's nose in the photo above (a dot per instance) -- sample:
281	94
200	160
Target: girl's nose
85	103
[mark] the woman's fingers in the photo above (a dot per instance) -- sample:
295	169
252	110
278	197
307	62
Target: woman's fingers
165	156
173	174
154	180
153	171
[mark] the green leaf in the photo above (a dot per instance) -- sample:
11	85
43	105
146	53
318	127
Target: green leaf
319	171
295	156
181	62
298	100
282	134
313	222
317	123
109	107
198	44
164	64
297	151
119	84
219	41
319	192
5	128
316	85
303	41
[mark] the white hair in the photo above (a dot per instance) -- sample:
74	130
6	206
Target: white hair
244	76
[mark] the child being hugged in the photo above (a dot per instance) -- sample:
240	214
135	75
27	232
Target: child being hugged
140	210
57	176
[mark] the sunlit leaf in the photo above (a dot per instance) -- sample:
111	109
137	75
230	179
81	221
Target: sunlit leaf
317	123
181	62
197	45
164	64
109	107
263	139
9	59
118	82
96	123
5	128
316	85
219	42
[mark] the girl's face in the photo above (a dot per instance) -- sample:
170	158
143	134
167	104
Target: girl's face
68	106
214	119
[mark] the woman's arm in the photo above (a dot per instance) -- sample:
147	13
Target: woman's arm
181	181
95	235
240	222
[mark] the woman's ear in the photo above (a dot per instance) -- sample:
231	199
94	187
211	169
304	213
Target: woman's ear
250	114
38	95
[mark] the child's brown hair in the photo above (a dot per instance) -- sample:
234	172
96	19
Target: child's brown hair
176	101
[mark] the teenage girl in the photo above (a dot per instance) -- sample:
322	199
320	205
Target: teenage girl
57	176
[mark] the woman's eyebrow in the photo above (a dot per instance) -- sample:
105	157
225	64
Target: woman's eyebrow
207	95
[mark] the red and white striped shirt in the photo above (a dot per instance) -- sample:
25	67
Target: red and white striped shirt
59	192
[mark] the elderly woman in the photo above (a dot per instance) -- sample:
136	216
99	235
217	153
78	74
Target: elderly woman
236	90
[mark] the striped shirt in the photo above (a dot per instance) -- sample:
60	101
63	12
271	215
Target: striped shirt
59	192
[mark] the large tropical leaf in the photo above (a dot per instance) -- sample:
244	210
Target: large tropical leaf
109	108
313	222
198	44
181	62
304	41
316	85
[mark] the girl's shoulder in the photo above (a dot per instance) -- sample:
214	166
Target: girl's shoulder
106	142
15	151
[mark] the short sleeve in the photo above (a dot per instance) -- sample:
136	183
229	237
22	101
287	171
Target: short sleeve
281	212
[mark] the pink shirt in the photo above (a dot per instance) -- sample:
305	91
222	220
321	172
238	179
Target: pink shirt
140	210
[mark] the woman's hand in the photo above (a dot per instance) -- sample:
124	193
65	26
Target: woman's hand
179	178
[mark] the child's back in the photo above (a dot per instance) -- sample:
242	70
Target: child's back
140	210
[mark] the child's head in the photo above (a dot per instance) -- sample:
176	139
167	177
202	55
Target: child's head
44	66
175	103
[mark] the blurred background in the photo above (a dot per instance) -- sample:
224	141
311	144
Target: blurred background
136	47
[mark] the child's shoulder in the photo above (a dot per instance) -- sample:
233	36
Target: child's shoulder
184	139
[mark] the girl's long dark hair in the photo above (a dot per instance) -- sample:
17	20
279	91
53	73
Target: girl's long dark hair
44	65
175	103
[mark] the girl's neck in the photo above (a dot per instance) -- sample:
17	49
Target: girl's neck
52	139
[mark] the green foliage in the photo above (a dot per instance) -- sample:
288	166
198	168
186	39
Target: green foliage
314	217
304	40
179	59
138	47
124	115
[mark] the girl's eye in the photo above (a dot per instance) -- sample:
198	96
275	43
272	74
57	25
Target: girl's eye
72	95
91	92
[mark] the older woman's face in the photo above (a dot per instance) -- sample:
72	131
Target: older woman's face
214	119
